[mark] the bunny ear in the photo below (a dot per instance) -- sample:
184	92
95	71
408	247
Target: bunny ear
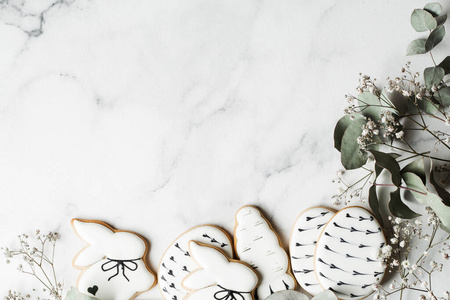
198	279
92	232
97	236
206	256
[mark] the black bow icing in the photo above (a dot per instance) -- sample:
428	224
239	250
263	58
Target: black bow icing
117	263
226	294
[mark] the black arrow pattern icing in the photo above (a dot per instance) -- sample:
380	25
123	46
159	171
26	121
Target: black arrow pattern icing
367	259
302	245
318	226
320	215
360	218
353	229
346	237
214	241
302	257
310	284
346	242
304	271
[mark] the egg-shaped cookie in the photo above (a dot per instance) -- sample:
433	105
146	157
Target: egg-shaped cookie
346	253
177	262
302	245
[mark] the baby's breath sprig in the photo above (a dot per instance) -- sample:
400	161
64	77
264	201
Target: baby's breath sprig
408	253
385	125
398	130
37	261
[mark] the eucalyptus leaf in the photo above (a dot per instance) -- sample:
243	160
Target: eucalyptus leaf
443	96
416	47
425	197
351	155
384	98
427	106
445	196
422	20
433	76
416	167
378	171
294	295
374	203
445	64
394	155
325	295
372	107
74	294
400	209
441	20
440	209
341	127
435	38
389	163
416	187
433	8
287	295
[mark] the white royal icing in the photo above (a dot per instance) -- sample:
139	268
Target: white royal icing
177	262
218	278
345	259
258	245
112	262
302	246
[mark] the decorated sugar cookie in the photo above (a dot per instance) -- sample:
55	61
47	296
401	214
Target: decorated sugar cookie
218	277
113	262
345	259
177	262
257	244
302	246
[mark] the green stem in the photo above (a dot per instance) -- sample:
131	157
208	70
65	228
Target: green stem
400	187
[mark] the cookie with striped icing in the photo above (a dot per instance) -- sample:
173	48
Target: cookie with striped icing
346	253
257	244
177	263
302	245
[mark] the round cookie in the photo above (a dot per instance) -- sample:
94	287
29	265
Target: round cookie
113	263
218	276
346	253
302	245
177	262
257	244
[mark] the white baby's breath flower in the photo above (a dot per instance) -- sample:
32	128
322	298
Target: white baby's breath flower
399	134
405	264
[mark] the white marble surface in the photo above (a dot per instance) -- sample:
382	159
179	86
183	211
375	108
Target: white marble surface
156	116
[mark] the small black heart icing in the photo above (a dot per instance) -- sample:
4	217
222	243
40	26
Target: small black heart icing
93	290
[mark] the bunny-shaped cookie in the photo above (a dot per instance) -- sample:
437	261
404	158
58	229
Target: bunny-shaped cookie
218	278
113	262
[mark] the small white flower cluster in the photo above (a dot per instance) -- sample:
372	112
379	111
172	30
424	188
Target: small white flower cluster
345	193
391	125
369	131
400	255
351	108
37	263
388	123
367	84
13	295
408	84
